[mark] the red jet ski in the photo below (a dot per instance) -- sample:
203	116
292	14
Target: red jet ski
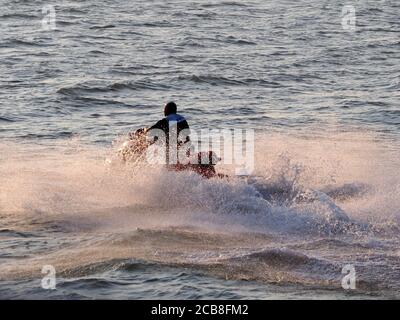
134	149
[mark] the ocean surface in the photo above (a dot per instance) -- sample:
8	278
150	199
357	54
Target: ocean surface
321	94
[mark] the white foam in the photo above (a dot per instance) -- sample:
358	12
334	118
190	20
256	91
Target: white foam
72	180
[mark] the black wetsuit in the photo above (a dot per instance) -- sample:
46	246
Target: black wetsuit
169	121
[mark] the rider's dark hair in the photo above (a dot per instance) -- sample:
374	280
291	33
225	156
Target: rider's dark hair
170	108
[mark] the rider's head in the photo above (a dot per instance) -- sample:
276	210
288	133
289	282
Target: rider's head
170	108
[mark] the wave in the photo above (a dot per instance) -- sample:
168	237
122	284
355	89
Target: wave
233	40
13	233
97	87
16	43
101	87
6	119
220	80
93	101
18	16
105	26
347	191
278	258
224	4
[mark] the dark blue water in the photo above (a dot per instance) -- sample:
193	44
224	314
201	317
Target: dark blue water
109	66
165	283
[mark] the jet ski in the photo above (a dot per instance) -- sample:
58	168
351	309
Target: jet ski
133	151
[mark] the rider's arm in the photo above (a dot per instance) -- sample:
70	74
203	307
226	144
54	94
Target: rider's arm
160	125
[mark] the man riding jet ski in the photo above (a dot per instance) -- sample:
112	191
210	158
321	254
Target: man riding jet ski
171	136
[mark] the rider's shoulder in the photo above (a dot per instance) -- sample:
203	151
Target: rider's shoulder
175	117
